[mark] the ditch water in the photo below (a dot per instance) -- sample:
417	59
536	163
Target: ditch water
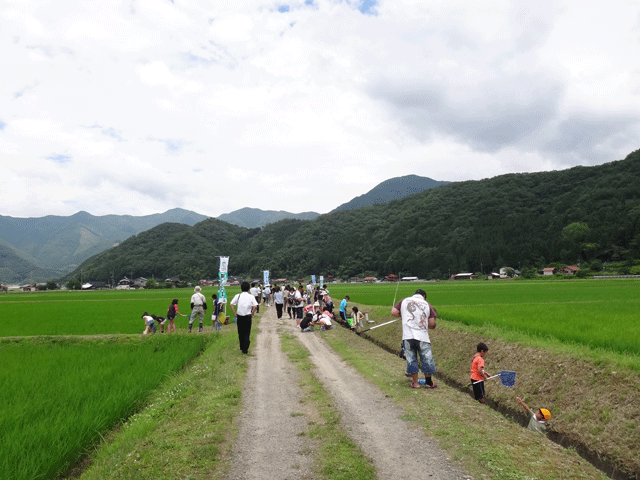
605	464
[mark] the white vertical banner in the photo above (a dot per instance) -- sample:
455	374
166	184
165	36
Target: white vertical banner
265	276
224	264
222	279
321	281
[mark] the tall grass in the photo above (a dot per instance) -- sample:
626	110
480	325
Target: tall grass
57	396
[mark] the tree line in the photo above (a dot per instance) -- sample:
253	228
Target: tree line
526	221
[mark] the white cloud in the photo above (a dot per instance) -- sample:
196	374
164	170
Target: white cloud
213	106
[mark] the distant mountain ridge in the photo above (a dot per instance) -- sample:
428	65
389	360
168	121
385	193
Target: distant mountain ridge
254	217
54	245
389	190
45	248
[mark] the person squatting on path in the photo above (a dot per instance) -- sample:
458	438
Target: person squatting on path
198	307
247	306
478	373
149	323
417	319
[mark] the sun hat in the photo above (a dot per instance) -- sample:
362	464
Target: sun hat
545	413
317	304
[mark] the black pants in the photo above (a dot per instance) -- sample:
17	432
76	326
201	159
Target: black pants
244	332
279	310
478	389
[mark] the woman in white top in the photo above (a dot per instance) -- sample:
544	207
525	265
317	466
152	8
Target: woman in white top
278	300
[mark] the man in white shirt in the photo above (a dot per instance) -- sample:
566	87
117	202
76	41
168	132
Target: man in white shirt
244	306
198	307
416	322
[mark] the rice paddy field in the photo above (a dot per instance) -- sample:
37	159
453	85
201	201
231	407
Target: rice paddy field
601	314
75	365
103	312
59	395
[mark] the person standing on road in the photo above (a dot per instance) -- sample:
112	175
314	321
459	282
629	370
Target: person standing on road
247	306
198	307
255	291
343	308
310	290
266	293
290	298
298	306
417	319
278	300
215	315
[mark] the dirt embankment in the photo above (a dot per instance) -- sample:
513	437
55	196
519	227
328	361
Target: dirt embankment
594	404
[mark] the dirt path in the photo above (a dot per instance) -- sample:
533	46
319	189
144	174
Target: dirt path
268	445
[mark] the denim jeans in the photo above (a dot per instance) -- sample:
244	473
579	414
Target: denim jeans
414	349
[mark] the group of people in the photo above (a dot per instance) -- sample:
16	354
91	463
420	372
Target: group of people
198	311
418	317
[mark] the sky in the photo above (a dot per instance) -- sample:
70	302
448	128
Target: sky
140	106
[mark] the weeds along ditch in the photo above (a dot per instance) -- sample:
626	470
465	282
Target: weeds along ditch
59	394
562	338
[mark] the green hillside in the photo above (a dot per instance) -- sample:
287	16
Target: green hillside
60	244
521	220
15	269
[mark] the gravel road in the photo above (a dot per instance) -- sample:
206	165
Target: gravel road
270	445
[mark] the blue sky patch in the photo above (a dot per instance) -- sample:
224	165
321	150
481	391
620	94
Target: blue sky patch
111	132
368	7
173	145
59	158
2	125
283	8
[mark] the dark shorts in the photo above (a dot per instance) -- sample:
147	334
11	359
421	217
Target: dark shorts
478	389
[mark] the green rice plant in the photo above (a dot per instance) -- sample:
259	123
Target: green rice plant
59	395
93	312
595	313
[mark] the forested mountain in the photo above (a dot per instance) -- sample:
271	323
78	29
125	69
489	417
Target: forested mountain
254	217
392	189
14	268
59	243
525	220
